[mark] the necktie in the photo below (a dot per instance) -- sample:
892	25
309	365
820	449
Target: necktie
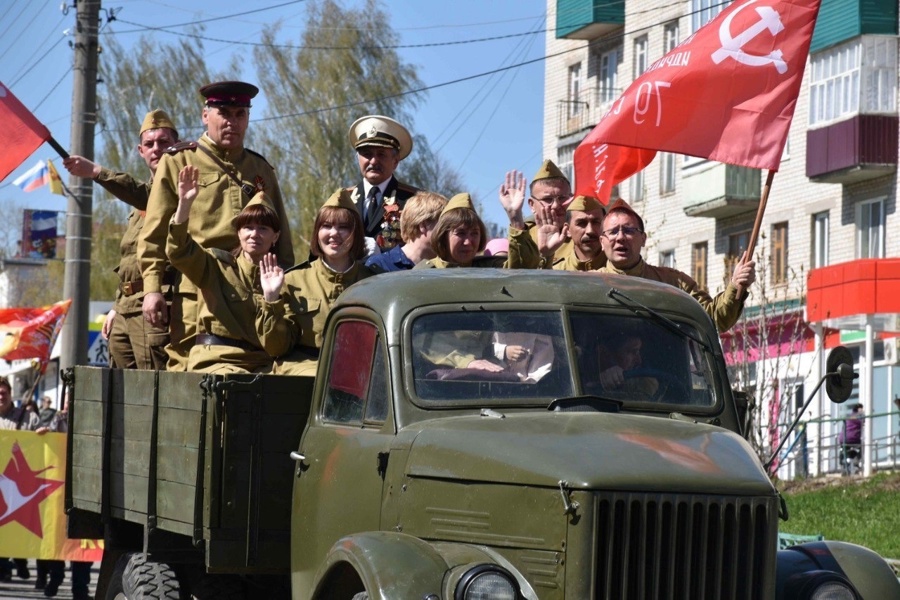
371	205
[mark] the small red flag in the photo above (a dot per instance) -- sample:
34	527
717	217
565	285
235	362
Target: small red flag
727	93
21	133
31	332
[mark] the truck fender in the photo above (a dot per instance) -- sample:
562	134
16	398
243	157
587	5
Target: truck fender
390	565
801	566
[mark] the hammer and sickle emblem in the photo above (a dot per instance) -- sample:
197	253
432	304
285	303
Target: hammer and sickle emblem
770	20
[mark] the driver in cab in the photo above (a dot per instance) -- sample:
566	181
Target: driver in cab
620	356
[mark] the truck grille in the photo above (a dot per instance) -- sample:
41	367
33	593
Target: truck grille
682	546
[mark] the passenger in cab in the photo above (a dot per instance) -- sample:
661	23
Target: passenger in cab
242	323
312	287
460	237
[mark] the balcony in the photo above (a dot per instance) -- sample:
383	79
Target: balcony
588	19
717	190
576	116
856	149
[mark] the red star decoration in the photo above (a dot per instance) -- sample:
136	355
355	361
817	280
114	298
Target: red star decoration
22	491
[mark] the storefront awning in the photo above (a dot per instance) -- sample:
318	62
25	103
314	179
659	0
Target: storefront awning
848	295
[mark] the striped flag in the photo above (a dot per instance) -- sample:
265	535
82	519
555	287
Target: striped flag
21	133
35	177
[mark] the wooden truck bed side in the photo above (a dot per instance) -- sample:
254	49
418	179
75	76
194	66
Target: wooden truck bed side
204	457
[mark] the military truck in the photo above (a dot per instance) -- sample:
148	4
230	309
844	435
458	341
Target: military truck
470	434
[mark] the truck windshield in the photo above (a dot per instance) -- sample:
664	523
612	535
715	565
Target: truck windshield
502	358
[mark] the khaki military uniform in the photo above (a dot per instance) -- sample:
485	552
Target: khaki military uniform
133	343
312	289
725	309
570	262
561	252
219	200
523	254
231	307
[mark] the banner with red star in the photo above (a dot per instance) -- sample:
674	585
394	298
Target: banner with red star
32	518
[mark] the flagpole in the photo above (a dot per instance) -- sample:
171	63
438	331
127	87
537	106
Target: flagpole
763	200
59	149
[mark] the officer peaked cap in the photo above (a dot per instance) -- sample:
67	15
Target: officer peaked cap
229	93
381	131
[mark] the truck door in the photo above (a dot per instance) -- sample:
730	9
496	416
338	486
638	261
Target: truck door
339	484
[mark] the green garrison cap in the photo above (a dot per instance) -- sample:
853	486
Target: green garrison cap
621	206
259	198
341	199
463	200
157	119
584	204
548	170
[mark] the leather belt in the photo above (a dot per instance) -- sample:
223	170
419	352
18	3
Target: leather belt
208	339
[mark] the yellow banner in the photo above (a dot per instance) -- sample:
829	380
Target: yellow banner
32	517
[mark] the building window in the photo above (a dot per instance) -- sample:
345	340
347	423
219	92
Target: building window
640	56
566	161
737	245
636	186
666	173
698	263
870	229
819	250
704	10
609	76
576	105
667	259
856	77
779	253
670	37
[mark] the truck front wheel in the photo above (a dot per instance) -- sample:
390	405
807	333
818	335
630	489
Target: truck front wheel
137	578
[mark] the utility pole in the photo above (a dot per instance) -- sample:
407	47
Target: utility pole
80	207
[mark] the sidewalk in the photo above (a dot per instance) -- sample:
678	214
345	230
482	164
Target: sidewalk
24	588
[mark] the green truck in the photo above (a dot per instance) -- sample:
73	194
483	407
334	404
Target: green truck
471	434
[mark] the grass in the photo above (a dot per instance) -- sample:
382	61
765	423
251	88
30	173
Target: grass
862	511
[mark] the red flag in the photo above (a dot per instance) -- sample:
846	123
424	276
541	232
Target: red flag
31	332
727	93
21	133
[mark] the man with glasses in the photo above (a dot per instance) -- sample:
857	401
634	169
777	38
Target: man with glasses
622	239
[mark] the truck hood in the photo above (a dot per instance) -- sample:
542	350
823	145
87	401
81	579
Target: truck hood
587	450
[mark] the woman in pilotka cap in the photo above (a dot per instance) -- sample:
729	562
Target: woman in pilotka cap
312	287
242	324
460	237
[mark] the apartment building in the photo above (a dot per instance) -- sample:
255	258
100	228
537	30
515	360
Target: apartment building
828	272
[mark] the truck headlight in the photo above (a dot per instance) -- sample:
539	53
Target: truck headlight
832	590
487	582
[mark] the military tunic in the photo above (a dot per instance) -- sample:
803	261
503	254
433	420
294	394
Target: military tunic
231	306
523	254
133	343
532	228
312	289
219	200
725	309
395	192
570	262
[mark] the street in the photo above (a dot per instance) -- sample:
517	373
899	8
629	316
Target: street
24	588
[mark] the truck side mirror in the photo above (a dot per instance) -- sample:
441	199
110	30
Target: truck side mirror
744	405
839	374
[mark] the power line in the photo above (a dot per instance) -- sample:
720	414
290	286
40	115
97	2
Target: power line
209	20
25	68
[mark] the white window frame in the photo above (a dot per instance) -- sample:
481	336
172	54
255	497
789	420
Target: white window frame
667	259
576	86
869	234
666	173
857	77
608	78
566	160
671	36
636	186
702	11
641	56
821	222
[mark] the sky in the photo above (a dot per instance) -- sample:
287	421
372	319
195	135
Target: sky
483	126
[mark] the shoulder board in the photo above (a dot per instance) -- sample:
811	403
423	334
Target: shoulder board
407	188
223	255
297	267
258	155
180	146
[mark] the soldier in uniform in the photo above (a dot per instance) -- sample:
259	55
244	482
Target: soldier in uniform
460	236
581	227
133	343
229	176
622	239
242	324
338	243
380	144
550	189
